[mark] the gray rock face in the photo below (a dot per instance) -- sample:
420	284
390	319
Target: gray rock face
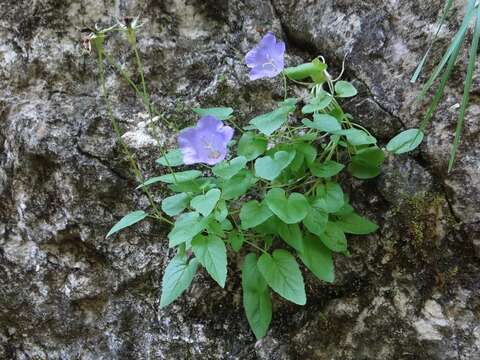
410	291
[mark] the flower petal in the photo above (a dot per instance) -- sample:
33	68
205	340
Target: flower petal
268	40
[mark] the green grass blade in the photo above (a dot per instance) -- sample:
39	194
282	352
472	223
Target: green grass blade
439	92
455	44
466	92
446	10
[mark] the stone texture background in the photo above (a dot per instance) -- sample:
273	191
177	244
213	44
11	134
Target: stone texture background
411	291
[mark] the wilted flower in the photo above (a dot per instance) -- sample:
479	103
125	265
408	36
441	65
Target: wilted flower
267	58
205	143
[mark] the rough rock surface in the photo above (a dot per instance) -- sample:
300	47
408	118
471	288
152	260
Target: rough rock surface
411	291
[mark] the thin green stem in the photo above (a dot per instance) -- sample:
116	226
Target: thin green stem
255	246
118	134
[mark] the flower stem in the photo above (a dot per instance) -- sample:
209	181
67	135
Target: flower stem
116	128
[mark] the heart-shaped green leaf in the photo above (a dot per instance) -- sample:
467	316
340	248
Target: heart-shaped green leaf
327	169
269	122
237	185
253	214
283	275
320	102
172	158
252	145
323	122
291	210
174	205
269	168
329	197
228	169
186	227
367	163
205	204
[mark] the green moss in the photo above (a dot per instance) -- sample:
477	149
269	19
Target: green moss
426	218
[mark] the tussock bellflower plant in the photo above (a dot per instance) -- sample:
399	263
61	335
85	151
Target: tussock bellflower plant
274	198
267	58
206	143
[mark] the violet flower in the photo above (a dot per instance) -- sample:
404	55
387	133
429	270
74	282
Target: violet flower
206	143
267	58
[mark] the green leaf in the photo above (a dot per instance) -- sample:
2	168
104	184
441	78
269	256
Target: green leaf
355	224
334	238
418	70
128	220
315	70
237	185
318	259
406	141
178	177
236	240
199	185
291	210
221	113
452	52
186	227
228	169
344	89
357	137
327	169
269	227
316	221
172	158
205	204
329	197
320	102
270	168
323	122
308	151
269	122
256	297
367	164
466	90
221	211
282	274
177	277
212	254
251	145
253	214
174	205
292	235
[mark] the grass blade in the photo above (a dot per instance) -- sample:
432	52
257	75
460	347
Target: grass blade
455	44
446	10
439	92
466	92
